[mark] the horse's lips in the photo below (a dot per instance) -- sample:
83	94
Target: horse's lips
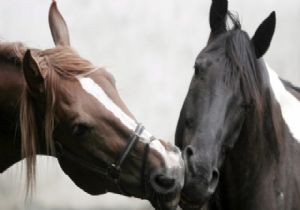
160	202
187	204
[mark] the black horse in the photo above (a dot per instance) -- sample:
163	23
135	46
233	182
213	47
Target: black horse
239	127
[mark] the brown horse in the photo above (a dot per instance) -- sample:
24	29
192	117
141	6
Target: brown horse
53	102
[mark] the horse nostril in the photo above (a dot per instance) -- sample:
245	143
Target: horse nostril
214	181
189	151
164	181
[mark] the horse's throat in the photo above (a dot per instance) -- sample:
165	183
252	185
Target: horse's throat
10	91
10	151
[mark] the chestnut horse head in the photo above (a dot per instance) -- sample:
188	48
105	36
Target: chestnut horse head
71	109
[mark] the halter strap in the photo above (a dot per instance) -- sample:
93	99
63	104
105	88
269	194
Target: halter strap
113	170
144	163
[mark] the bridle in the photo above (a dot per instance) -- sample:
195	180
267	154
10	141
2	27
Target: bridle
112	171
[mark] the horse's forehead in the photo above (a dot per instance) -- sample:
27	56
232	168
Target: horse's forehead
104	93
72	94
211	55
100	81
100	77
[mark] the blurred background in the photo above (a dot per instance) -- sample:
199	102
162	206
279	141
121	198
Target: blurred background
150	47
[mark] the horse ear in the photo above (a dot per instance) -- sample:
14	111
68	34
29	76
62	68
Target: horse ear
263	35
217	19
32	74
58	26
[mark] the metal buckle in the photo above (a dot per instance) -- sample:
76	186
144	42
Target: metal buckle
114	172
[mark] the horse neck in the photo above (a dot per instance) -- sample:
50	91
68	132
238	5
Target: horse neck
254	161
10	91
12	82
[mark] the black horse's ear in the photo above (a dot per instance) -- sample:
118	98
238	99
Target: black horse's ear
263	35
32	74
58	26
217	19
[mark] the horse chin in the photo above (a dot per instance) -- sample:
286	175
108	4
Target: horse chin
188	204
166	201
86	180
194	195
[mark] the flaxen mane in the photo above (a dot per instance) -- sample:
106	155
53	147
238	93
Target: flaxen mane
56	65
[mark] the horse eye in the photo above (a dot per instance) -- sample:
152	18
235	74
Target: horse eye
200	72
197	70
81	129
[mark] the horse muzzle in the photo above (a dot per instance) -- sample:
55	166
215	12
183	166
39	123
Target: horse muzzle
201	180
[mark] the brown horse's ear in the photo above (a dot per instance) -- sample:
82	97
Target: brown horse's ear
32	74
58	26
263	35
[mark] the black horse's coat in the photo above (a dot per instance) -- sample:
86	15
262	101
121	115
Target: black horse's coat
238	150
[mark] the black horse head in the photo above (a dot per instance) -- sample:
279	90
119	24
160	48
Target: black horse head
225	91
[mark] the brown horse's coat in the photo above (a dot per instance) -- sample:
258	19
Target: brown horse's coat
43	104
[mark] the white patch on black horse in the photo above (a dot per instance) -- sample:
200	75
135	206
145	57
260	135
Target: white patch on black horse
289	104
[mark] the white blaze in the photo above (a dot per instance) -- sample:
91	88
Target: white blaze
95	90
171	158
289	104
